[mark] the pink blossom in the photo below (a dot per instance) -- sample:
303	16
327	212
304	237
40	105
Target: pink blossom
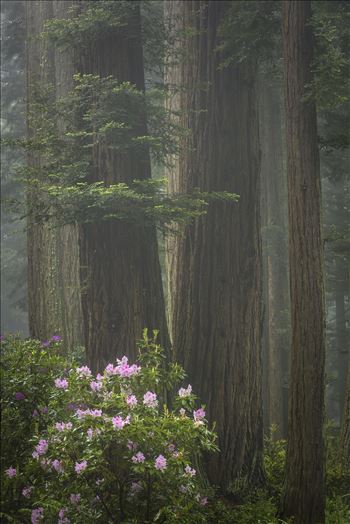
119	423
84	371
96	385
56	338
199	414
160	463
111	370
131	400
41	448
182	412
80	466
37	514
93	433
19	395
82	413
57	465
61	383
138	458
203	501
185	392
150	399
99	377
75	498
61	426
131	445
11	472
26	492
189	471
61	517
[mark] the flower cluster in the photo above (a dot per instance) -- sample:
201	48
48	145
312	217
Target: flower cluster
61	383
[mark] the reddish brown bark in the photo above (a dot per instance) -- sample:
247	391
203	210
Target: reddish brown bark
304	495
215	265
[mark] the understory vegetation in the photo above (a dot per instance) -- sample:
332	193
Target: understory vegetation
124	446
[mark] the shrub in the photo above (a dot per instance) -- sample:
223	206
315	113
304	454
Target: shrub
106	448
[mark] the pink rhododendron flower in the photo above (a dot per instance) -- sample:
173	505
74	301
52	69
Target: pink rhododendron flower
84	371
182	412
80	466
131	400
119	423
26	492
199	414
111	370
41	448
96	385
19	395
56	338
160	463
125	370
61	383
75	498
57	465
37	515
11	472
62	426
150	399
131	445
203	501
138	458
93	433
185	392
61	517
189	471
82	413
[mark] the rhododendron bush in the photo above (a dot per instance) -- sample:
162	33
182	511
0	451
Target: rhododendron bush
100	448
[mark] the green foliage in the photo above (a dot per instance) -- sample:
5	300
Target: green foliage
250	31
103	117
331	66
121	441
88	22
274	462
28	368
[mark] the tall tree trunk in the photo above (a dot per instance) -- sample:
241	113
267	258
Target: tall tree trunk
215	276
121	277
275	253
53	260
342	338
345	428
305	491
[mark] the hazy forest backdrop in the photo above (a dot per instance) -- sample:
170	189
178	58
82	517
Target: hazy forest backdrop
183	166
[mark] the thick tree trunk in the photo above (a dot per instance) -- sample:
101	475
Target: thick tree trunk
305	491
120	270
274	217
215	271
53	259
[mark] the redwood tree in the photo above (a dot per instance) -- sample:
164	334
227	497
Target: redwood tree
53	260
275	253
120	271
215	266
304	493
